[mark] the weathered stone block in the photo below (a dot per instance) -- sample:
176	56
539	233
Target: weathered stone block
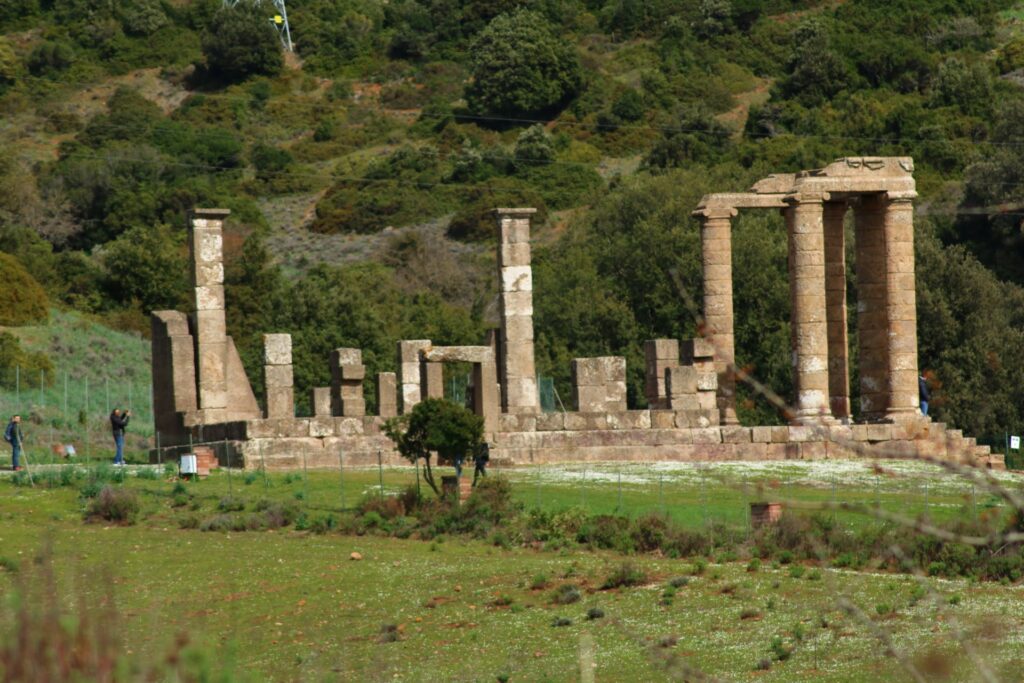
663	419
879	432
517	279
684	402
321	426
780	434
508	422
280	402
734	434
707	381
277	349
278	376
680	381
353	373
707	435
346	356
547	422
387	399
662	349
761	434
695	349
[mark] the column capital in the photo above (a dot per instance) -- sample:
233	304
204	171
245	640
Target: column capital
712	212
523	212
209	214
900	196
798	198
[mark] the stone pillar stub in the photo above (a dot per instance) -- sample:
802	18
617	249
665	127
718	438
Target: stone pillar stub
716	267
409	374
277	374
805	228
599	384
387	398
320	400
433	379
515	276
659	355
835	304
347	375
206	248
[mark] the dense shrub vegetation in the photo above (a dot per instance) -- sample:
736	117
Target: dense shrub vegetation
611	116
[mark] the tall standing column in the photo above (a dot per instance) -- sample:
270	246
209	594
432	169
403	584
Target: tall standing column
206	244
278	378
901	308
835	304
872	314
805	223
519	377
716	263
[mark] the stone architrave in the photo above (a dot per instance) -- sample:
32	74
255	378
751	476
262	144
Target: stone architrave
659	355
278	379
805	227
716	263
206	244
387	397
347	375
409	373
835	302
518	376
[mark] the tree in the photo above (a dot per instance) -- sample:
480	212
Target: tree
521	68
22	300
146	265
436	425
240	42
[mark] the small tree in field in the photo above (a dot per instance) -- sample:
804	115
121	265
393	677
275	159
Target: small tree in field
436	425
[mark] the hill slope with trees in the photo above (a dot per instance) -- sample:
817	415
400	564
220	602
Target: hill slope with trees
360	169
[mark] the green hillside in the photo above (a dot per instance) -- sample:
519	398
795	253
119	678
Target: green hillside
361	167
92	368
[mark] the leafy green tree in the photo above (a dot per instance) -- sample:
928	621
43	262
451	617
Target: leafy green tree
147	266
8	64
436	426
15	360
22	300
240	42
629	106
698	138
49	57
815	71
521	68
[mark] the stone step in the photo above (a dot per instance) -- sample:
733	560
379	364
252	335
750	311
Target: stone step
995	462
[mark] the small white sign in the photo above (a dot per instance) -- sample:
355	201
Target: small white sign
1014	443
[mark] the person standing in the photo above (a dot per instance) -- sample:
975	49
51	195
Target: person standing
14	436
118	422
923	394
480	460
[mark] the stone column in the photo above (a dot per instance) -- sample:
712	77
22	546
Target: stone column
278	379
347	375
835	305
716	263
805	226
409	375
519	376
486	395
206	245
872	322
174	372
901	308
387	399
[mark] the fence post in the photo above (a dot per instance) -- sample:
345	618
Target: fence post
583	489
17	387
380	473
661	494
159	453
618	506
305	475
341	476
227	459
87	453
263	465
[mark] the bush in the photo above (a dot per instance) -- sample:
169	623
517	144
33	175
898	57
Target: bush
625	575
566	594
595	613
113	505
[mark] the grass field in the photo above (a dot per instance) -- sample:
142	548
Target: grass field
288	605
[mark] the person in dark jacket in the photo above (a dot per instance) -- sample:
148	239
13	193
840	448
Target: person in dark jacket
480	460
923	394
13	436
118	422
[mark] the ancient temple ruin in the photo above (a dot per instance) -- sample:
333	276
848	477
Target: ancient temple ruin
201	393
